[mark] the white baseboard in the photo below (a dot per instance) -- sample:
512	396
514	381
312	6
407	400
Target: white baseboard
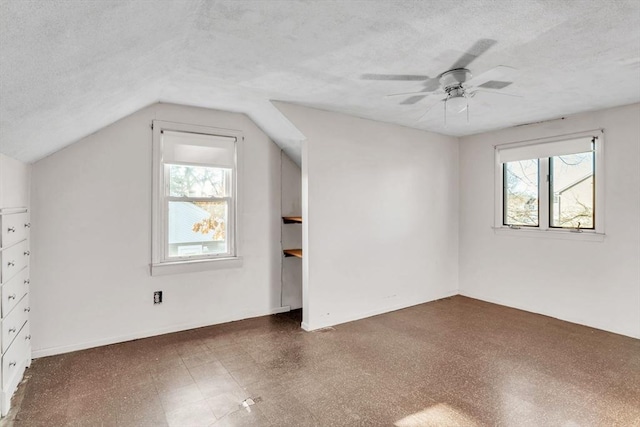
544	313
350	318
283	309
51	351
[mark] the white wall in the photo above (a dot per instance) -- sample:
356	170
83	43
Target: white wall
291	233
381	216
14	182
91	239
591	283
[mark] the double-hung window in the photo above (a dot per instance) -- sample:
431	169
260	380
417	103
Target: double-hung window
195	193
551	185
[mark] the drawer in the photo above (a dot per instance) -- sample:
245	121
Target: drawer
15	227
14	290
14	259
12	324
14	360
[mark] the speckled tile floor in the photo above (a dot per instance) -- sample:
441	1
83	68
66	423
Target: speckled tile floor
453	362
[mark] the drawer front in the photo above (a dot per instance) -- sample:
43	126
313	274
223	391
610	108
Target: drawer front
15	227
14	259
12	324
14	290
13	361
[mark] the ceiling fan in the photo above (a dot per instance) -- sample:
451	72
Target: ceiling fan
455	86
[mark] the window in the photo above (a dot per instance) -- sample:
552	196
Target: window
521	193
572	186
195	194
551	184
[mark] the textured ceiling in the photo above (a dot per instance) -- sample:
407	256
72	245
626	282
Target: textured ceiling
69	68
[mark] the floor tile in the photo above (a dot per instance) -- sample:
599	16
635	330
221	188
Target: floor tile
174	398
191	414
223	404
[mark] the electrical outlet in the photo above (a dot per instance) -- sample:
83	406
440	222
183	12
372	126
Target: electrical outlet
157	297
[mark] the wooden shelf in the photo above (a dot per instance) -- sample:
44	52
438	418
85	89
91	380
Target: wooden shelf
292	219
293	252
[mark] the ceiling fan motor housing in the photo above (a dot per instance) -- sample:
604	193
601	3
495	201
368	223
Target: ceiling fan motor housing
453	79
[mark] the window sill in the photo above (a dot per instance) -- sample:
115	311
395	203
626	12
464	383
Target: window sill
585	235
181	267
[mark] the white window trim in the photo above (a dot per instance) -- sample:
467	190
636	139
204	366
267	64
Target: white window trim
160	265
543	230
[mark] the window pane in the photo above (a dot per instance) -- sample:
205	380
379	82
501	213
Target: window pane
521	193
198	181
572	191
198	228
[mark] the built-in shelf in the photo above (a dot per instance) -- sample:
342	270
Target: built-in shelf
292	219
293	252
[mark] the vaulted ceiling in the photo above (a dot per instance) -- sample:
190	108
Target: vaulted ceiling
69	68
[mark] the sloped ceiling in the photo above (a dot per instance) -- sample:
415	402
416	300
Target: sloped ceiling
69	68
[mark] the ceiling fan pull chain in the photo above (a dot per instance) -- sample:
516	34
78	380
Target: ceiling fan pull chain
445	111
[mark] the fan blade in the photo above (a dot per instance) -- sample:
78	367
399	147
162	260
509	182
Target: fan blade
391	95
422	92
429	109
403	77
496	93
418	97
412	100
499	73
494	84
479	47
431	85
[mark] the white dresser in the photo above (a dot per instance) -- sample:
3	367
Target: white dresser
15	338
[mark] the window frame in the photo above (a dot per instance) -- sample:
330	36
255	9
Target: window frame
544	227
161	262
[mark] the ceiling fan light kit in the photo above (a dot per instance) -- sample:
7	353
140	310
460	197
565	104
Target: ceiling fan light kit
457	104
